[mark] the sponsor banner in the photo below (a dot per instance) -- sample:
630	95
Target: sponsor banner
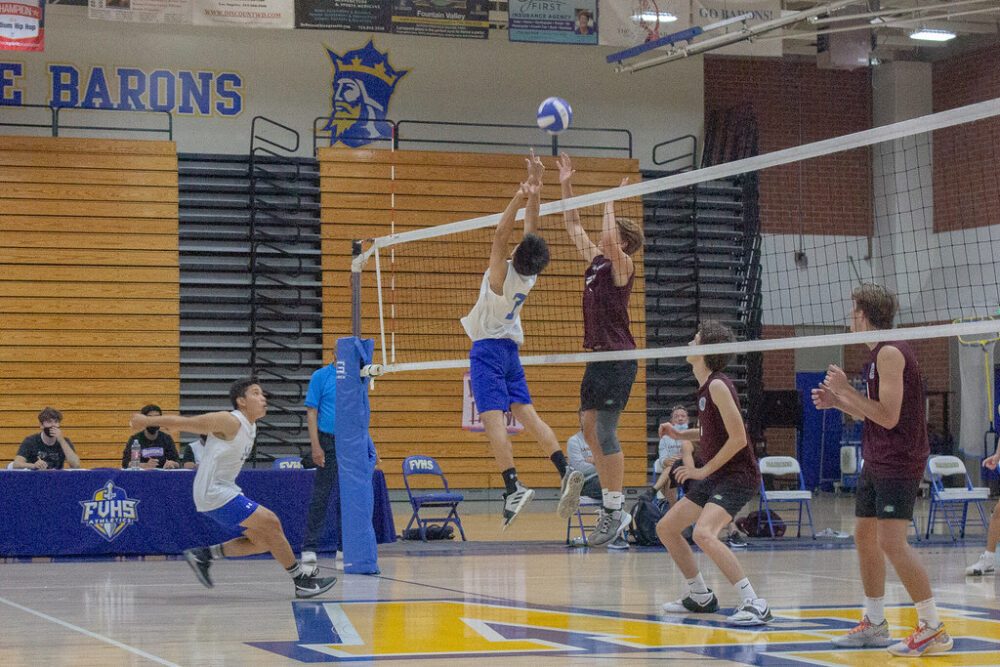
553	21
362	15
22	25
705	12
141	11
633	22
247	13
433	18
468	19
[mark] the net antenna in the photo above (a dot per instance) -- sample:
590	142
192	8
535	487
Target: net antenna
985	343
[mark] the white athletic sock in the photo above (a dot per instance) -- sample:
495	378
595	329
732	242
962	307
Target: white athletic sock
613	500
927	612
697	585
216	551
745	590
294	571
875	609
995	554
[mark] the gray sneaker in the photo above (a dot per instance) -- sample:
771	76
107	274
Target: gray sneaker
865	635
609	526
569	498
751	612
619	543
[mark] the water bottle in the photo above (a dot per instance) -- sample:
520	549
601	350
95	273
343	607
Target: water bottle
136	455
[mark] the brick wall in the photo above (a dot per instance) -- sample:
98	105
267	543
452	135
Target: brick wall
792	101
779	373
966	180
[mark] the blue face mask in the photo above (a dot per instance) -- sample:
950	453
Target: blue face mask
681	427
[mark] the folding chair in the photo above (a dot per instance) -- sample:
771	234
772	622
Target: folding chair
287	463
944	500
589	507
425	465
784	465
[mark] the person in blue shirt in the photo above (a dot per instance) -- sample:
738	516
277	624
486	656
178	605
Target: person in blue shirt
321	399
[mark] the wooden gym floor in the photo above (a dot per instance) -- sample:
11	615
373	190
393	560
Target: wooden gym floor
523	601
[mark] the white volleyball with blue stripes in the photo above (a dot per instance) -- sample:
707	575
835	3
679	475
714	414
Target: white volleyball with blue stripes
554	115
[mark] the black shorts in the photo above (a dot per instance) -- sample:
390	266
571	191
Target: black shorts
726	493
673	480
607	384
885	498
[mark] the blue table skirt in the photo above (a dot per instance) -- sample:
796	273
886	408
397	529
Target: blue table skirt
74	512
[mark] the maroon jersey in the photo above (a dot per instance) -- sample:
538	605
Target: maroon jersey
899	452
605	308
742	467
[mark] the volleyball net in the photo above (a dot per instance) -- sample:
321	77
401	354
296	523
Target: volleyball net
914	207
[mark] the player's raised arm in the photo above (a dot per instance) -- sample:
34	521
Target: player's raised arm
534	192
575	230
611	244
501	240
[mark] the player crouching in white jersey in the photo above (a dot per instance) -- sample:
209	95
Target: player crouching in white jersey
230	440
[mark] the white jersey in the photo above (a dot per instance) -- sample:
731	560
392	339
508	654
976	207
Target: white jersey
499	315
221	462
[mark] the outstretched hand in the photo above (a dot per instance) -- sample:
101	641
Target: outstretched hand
535	167
823	398
565	165
529	189
669	430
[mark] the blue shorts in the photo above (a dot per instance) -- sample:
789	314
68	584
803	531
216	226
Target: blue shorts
233	513
497	375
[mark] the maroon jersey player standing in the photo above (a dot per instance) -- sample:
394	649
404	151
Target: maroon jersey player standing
894	448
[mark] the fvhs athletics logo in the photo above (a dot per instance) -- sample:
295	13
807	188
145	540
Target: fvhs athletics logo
363	82
110	511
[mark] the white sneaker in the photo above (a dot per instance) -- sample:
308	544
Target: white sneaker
308	563
569	498
513	503
688	605
752	612
983	566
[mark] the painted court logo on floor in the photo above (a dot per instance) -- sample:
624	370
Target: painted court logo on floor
470	628
110	511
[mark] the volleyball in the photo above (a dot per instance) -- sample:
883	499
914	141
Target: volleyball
554	115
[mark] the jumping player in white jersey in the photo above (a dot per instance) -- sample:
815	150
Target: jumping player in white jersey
231	437
494	325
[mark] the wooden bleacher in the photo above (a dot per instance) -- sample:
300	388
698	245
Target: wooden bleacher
89	295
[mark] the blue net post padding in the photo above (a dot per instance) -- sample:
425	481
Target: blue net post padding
355	456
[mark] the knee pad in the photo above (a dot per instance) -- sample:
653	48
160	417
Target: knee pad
607	431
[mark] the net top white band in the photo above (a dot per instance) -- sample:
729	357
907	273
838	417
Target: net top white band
935	121
739	347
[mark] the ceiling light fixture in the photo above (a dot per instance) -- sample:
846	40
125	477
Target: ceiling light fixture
662	17
932	35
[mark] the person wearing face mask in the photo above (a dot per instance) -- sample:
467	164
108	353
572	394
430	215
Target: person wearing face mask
157	448
48	449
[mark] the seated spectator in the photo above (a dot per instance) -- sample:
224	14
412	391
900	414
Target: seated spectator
581	458
192	451
48	449
157	448
669	449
